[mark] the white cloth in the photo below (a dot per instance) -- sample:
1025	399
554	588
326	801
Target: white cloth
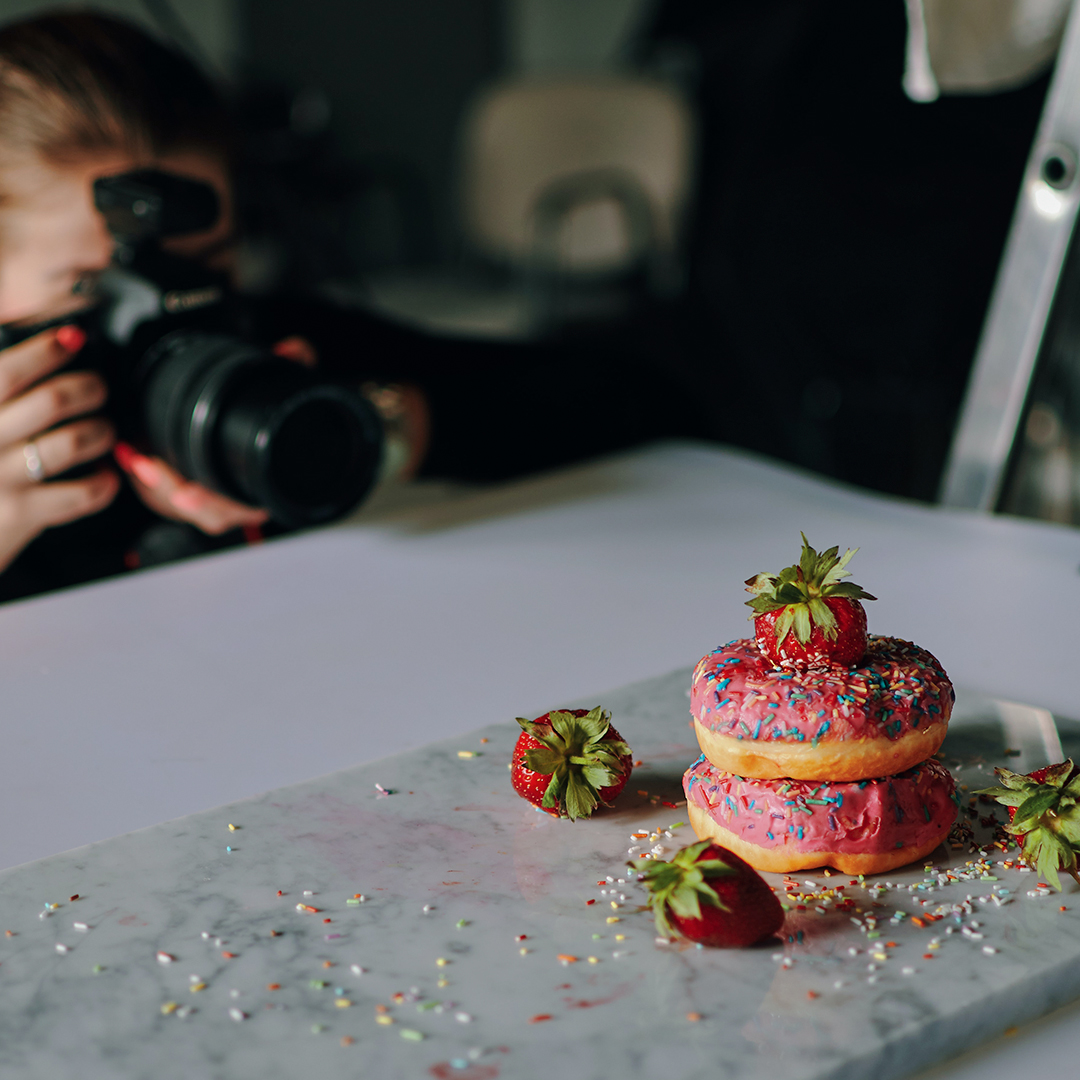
979	46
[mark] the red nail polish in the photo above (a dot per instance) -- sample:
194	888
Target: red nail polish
124	455
71	338
140	466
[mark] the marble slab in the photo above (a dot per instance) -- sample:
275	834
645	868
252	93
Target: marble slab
186	955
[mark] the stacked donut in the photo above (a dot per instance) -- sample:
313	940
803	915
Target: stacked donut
817	751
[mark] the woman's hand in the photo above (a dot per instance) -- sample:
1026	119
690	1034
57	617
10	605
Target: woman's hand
172	495
33	447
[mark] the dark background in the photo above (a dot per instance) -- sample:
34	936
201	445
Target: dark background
353	110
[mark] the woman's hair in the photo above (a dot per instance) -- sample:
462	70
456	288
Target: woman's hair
72	84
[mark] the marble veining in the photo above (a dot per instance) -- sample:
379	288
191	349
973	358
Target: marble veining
458	876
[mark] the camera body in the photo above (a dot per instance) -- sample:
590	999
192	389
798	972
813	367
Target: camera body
174	343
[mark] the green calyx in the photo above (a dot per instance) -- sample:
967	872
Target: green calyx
681	885
799	592
578	759
1047	819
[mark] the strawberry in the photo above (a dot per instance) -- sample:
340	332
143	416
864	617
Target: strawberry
810	599
569	762
1044	816
708	894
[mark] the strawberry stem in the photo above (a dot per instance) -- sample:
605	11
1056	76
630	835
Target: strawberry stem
579	758
1045	809
799	592
681	885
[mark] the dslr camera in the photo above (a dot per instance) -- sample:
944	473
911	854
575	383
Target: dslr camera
171	339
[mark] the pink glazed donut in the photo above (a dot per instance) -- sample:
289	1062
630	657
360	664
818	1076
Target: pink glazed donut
877	719
860	827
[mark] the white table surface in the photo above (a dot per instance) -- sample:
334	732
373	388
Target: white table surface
140	699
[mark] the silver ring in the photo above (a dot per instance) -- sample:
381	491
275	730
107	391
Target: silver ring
34	469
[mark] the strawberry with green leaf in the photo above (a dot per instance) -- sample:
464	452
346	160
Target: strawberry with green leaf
567	763
707	894
807	615
1044	816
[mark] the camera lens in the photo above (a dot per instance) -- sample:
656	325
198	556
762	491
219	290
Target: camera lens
259	428
305	450
313	452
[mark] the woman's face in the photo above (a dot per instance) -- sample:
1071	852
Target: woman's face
52	240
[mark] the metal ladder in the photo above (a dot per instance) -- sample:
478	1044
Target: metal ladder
1023	299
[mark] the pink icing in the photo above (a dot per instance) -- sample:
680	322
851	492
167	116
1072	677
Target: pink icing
860	817
897	688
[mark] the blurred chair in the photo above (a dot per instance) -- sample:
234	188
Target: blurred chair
571	196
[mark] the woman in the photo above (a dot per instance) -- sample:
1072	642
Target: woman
84	96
